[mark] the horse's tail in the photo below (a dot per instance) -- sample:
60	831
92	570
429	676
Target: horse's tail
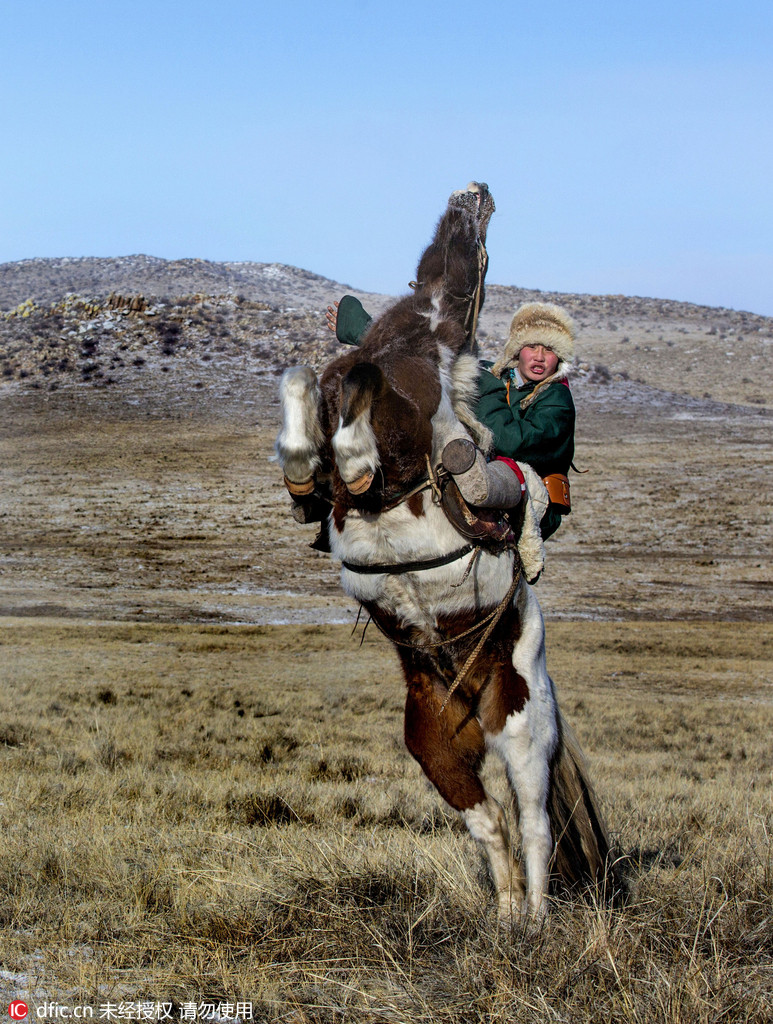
582	855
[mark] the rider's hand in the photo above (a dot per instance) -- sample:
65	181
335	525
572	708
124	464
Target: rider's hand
332	317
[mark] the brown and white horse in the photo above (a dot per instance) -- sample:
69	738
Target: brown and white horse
368	438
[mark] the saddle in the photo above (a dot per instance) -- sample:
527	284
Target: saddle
497	530
491	528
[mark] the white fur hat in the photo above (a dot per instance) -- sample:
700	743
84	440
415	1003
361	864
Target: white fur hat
538	323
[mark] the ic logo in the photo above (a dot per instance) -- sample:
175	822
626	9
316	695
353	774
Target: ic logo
18	1010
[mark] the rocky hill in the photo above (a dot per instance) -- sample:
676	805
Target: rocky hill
48	281
99	320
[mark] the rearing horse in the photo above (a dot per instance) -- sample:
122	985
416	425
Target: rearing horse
368	439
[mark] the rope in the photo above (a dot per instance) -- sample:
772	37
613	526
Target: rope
489	630
435	643
489	621
475	306
433	480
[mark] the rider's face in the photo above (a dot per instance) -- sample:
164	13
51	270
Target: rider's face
535	362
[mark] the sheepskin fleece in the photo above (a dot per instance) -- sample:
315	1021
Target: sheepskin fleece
531	547
538	323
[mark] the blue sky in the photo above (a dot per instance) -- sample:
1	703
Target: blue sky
629	146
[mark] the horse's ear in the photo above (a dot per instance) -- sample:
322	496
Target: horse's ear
361	385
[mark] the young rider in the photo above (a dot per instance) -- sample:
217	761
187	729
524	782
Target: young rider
524	400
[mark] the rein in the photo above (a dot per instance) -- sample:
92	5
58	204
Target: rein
489	621
496	615
474	310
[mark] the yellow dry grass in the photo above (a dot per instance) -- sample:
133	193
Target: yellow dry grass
228	813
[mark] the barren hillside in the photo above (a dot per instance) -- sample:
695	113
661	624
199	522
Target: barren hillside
106	320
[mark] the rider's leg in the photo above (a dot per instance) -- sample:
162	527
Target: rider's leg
485	484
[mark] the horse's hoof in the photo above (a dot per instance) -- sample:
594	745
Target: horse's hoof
302	487
516	919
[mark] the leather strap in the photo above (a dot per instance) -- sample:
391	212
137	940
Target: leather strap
303	488
399	568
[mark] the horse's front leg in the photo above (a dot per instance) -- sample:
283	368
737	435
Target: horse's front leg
450	748
299	442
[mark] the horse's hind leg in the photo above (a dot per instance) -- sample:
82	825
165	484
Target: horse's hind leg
486	823
450	748
527	743
528	758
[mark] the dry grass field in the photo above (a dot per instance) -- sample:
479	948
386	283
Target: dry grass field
227	812
204	793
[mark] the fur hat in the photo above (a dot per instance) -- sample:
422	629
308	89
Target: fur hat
538	323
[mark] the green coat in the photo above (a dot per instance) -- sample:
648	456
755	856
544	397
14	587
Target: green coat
542	434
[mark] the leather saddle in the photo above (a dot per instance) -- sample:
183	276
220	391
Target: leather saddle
491	528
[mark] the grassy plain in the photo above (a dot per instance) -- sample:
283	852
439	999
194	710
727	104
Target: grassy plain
204	793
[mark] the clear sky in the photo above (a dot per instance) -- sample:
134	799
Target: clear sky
629	146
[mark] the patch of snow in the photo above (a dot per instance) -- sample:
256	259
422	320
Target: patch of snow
275	270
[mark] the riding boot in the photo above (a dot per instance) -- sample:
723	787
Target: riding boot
485	484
